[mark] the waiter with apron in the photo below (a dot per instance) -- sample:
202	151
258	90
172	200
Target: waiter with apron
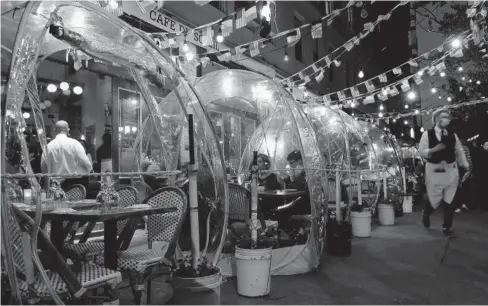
443	152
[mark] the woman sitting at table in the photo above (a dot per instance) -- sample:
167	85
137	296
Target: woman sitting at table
296	177
267	179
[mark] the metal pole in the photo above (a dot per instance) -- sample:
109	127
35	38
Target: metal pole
338	196
254	198
193	194
360	196
384	186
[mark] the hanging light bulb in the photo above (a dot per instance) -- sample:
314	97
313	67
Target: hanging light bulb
394	120
406	106
52	88
380	115
449	99
478	82
443	74
220	37
440	97
411	95
77	90
286	58
460	69
361	74
463	78
402	134
417	112
384	92
185	47
470	80
26	115
64	86
305	94
382	107
412	133
189	56
456	43
460	88
433	90
422	129
405	122
113	4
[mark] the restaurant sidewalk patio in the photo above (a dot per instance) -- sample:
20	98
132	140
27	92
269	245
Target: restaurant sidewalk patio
399	264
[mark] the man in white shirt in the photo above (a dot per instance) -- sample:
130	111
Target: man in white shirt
443	152
65	155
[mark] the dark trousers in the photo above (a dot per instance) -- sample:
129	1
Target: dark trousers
448	212
75	181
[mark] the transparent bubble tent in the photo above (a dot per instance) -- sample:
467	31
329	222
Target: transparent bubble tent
98	34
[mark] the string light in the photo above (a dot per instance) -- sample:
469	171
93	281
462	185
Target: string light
52	88
456	43
460	88
78	90
470	80
219	37
478	82
443	74
64	86
380	115
449	99
412	133
406	106
422	129
361	74
394	120
185	47
463	78
382	107
411	95
433	90
460	69
286	58
440	97
189	56
26	115
405	122
417	112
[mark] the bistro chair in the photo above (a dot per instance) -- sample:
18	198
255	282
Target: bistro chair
144	263
127	197
67	283
73	193
240	209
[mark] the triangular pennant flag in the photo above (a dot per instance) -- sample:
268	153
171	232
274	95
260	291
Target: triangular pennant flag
356	40
470	12
397	71
251	14
327	61
320	76
317	30
341	95
224	57
457	53
382	97
354	92
241	19
306	79
207	38
330	21
405	86
417	79
314	68
440	48
227	27
368	100
413	63
369	86
380	17
348	46
383	78
204	60
254	48
326	99
394	91
441	66
300	76
432	70
337	63
293	38
368	26
363	34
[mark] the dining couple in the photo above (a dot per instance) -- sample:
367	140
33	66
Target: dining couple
294	178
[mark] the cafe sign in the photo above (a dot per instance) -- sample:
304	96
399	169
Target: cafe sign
162	21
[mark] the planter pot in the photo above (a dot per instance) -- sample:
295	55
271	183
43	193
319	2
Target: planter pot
204	290
339	236
407	204
386	214
253	271
361	224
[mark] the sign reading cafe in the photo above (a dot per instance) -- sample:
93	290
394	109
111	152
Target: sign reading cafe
162	21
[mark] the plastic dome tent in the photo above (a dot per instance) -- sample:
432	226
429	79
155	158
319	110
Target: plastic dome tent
387	154
90	29
268	120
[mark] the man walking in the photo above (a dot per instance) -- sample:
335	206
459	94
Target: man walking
443	152
65	155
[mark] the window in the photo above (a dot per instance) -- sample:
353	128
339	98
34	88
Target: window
298	45
315	43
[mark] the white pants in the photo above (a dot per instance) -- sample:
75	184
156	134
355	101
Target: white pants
441	185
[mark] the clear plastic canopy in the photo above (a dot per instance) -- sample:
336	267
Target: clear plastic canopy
253	113
105	38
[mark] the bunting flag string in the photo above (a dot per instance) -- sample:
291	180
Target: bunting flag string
417	77
368	28
396	116
208	33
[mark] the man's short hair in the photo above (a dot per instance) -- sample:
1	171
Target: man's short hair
295	155
437	113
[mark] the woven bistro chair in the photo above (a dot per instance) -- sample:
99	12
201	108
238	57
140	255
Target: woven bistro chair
127	197
240	210
73	193
68	284
143	262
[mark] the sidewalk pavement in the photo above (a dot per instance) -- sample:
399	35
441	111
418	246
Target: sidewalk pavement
400	264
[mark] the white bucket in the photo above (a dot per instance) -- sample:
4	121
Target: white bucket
253	271
386	214
203	290
407	204
361	224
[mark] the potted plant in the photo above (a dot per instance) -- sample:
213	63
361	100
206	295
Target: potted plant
253	254
195	281
361	218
